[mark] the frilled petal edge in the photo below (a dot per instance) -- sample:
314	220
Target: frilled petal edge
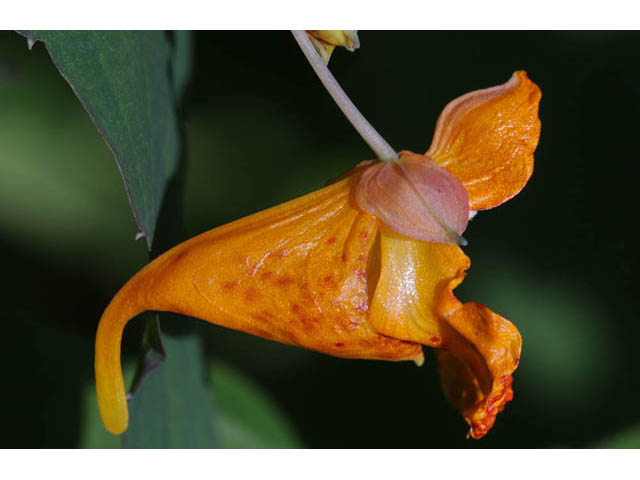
476	369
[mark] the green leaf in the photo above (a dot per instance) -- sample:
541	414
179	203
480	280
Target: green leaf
172	407
182	60
152	352
246	417
127	82
121	78
51	202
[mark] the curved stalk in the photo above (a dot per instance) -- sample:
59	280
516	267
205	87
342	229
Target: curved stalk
379	145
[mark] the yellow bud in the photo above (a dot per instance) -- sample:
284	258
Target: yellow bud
325	41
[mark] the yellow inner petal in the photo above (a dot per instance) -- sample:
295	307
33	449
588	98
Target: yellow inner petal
414	278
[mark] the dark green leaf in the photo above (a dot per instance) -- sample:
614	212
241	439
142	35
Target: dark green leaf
182	60
172	407
246	417
127	82
122	80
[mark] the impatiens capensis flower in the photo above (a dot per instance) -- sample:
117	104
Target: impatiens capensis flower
363	268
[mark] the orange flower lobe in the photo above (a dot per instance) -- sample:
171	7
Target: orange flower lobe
486	138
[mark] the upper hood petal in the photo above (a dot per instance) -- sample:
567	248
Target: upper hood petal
486	138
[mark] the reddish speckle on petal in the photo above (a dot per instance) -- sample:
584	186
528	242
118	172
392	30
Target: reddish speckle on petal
295	307
228	286
435	339
284	281
340	344
251	294
331	240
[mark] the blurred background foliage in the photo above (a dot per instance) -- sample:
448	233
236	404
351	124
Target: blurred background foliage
558	260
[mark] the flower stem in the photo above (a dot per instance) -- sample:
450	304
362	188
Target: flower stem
369	134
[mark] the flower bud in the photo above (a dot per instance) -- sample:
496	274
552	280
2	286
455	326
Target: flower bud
325	41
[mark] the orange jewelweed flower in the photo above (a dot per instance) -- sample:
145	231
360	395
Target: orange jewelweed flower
321	273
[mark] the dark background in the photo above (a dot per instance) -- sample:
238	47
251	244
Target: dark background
558	260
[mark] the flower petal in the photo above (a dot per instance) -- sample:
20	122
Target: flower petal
296	273
476	368
487	138
415	197
478	350
415	279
